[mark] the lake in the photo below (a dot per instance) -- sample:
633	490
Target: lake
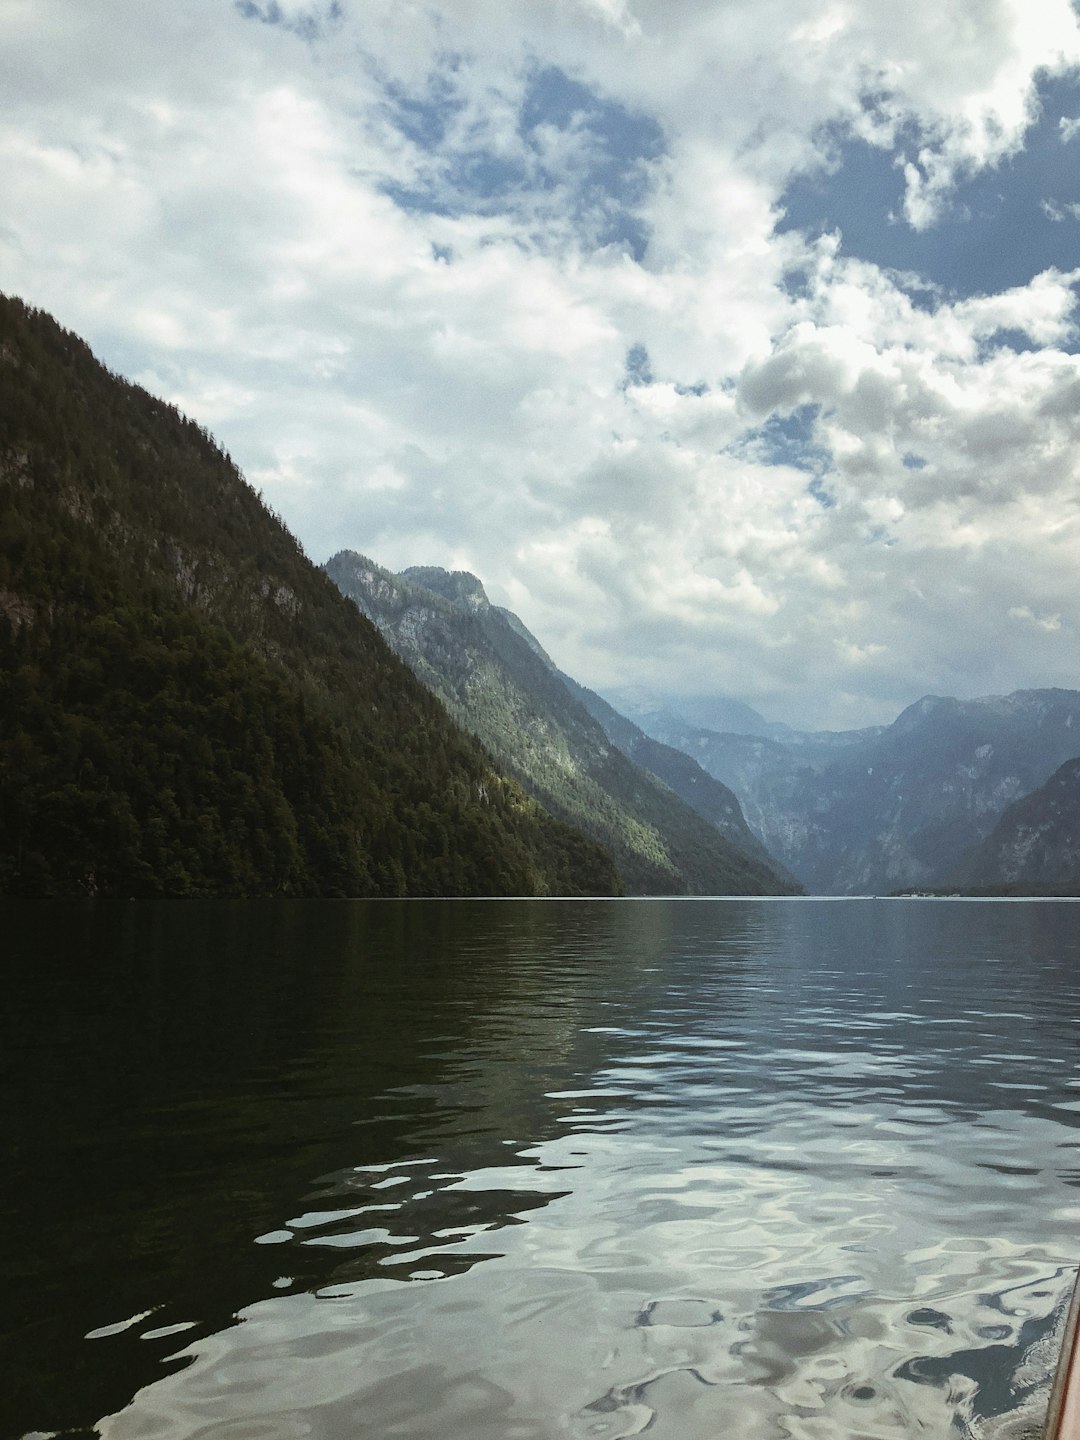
526	1170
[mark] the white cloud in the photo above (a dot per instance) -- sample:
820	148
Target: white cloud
217	204
1025	613
1057	212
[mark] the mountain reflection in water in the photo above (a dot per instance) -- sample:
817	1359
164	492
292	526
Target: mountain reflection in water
537	1169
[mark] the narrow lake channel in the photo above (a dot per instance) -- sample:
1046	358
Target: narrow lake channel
526	1170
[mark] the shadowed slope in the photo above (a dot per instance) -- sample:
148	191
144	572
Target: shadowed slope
189	706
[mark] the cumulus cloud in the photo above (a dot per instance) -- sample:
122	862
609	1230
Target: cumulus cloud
499	286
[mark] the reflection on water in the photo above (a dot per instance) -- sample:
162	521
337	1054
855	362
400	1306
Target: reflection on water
801	1170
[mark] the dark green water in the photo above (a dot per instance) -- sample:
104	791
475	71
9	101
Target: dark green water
518	1171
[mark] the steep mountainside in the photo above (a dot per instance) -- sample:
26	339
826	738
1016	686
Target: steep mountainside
495	678
713	801
188	705
1035	847
882	809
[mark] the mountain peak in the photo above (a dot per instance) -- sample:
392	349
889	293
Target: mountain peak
458	586
355	561
495	677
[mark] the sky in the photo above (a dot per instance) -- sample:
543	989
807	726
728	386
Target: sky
732	343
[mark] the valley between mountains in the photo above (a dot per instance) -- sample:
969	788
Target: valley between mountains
982	794
191	707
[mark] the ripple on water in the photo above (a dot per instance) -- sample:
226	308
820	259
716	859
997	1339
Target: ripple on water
787	1181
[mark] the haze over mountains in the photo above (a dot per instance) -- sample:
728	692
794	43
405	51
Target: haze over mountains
496	679
921	803
900	806
1035	845
191	707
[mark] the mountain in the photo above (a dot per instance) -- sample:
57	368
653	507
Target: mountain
1035	846
706	712
889	807
495	678
188	706
713	801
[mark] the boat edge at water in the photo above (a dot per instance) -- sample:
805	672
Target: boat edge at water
1063	1412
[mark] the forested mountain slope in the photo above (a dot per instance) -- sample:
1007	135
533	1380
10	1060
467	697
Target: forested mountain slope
496	680
712	800
188	706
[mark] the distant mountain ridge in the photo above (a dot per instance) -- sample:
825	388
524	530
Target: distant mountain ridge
722	713
889	807
497	680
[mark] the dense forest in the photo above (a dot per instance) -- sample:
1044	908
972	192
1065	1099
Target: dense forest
188	706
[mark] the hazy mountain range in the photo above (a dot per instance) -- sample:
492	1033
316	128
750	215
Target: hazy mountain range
905	805
496	679
950	795
191	707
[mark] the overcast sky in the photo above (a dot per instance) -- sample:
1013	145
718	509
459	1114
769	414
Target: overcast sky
732	343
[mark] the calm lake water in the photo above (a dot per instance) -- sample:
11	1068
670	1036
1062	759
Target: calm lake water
525	1171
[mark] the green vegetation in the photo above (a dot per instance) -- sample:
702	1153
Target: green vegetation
187	705
495	680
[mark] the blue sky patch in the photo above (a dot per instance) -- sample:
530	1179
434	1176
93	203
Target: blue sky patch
600	191
424	119
817	489
1009	339
310	26
621	139
1002	226
638	367
789	440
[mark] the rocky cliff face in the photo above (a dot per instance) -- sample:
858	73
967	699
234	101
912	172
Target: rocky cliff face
1035	846
497	681
886	809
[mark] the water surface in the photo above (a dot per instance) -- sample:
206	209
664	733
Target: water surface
527	1170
